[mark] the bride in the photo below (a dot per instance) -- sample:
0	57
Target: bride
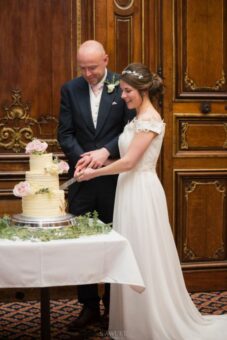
164	311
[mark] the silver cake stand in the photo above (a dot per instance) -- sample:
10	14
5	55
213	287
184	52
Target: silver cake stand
45	222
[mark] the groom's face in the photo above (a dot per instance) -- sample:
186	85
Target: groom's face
92	66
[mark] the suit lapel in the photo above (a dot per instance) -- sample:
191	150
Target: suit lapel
105	105
85	106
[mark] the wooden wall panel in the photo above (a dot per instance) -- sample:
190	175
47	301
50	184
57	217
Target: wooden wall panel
37	44
202	237
130	30
37	39
195	112
123	32
201	61
9	204
193	135
121	27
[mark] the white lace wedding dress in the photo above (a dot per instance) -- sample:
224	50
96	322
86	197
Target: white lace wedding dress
164	311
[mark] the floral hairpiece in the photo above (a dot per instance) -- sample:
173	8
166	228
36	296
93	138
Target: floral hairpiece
133	73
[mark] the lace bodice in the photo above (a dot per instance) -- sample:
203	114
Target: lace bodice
150	157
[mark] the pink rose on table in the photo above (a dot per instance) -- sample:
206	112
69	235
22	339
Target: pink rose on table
63	167
22	189
36	146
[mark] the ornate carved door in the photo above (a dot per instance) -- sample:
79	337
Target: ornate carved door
195	149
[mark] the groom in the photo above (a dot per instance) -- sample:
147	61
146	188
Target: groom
92	115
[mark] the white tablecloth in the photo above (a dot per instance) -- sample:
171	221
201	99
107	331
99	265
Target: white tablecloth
92	259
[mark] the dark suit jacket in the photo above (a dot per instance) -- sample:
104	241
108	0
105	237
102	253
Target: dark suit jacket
76	132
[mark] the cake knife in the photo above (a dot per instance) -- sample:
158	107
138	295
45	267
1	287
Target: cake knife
66	184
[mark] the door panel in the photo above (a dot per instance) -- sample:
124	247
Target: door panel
196	139
200	47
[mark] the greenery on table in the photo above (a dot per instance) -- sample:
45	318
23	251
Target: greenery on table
81	226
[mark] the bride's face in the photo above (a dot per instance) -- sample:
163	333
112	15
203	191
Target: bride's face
130	95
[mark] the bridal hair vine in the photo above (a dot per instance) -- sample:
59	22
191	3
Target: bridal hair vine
133	73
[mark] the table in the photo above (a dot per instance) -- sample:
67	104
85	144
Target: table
104	258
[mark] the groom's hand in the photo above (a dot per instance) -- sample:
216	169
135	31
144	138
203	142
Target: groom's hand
94	159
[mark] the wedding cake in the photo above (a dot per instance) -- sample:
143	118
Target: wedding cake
40	192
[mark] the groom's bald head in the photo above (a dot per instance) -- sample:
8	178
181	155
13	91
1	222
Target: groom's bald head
90	47
92	60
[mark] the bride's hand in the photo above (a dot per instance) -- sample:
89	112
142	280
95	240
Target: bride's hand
84	175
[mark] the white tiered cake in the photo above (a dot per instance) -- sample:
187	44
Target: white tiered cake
41	196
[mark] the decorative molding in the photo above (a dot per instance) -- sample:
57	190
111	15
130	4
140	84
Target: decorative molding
220	187
190	83
193	184
190	188
128	24
184	143
17	128
225	142
220	252
189	253
121	4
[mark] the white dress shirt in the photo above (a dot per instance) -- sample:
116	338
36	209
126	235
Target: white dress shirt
95	99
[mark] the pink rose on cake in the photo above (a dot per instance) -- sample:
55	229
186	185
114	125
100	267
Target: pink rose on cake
36	147
22	189
63	167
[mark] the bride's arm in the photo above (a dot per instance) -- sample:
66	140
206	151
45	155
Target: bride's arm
109	161
136	149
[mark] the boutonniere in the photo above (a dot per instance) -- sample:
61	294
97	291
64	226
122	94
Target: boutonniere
112	84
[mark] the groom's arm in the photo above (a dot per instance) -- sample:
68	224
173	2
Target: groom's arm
66	132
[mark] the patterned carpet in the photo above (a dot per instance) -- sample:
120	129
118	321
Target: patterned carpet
21	320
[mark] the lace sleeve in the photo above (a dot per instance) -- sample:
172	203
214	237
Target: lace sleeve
149	125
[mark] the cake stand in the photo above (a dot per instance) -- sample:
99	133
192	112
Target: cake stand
45	222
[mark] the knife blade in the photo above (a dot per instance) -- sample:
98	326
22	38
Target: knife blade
66	184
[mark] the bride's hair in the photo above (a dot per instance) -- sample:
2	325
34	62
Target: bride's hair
139	76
